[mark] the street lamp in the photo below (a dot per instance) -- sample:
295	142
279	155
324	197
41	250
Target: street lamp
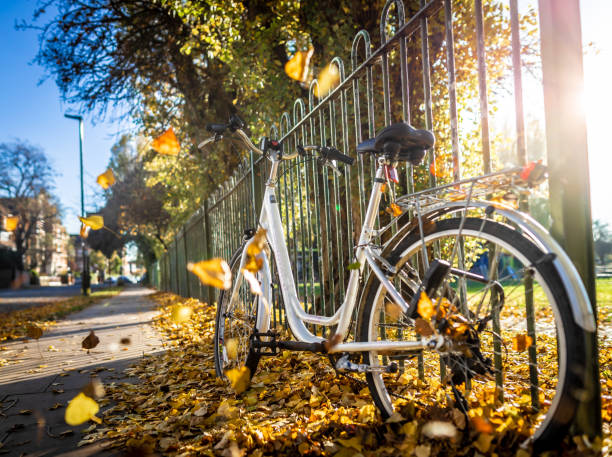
85	281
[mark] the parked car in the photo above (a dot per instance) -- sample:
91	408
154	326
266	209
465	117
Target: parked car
124	281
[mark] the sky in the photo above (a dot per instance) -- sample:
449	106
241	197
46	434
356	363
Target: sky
33	111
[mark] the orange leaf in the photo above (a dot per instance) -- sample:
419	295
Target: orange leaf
256	245
10	223
214	272
106	179
393	311
521	342
425	307
84	231
481	424
422	327
167	143
297	67
394	210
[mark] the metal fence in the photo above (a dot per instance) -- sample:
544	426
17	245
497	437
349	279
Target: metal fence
431	70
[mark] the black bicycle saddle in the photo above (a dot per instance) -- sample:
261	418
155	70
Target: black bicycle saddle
401	141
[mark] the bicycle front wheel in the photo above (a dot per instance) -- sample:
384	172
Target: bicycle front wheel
514	352
235	322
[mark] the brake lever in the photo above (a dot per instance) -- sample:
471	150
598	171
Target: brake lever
334	168
212	139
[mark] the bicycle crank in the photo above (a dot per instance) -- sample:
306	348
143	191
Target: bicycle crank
344	365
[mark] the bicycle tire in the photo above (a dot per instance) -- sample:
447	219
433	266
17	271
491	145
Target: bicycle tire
570	363
251	360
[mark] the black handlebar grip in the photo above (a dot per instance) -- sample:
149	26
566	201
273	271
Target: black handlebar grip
216	128
334	154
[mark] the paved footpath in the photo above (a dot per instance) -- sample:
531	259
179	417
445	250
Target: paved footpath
40	378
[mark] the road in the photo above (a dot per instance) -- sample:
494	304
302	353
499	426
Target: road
24	298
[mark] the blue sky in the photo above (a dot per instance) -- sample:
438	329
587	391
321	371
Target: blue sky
35	113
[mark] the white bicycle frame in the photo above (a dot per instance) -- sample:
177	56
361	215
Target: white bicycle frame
270	220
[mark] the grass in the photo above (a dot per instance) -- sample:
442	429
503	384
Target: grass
604	299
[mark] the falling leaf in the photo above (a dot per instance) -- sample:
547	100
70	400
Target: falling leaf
394	210
90	341
34	331
458	418
425	307
328	79
167	143
80	409
10	223
125	341
214	272
393	311
94	389
231	347
95	222
106	179
180	313
201	411
520	342
422	327
254	262
331	342
84	232
439	430
226	410
299	65
483	443
239	378
353	266
253	282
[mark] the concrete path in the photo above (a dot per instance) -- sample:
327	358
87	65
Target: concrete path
40	378
12	299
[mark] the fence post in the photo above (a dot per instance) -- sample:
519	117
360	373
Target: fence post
186	260
566	145
208	252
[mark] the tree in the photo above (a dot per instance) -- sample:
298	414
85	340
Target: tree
602	240
25	184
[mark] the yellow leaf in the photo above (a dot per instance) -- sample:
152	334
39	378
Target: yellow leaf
95	222
354	442
227	410
297	67
239	378
106	179
80	409
231	346
483	443
167	143
180	313
425	307
254	248
520	342
10	223
34	331
214	272
328	79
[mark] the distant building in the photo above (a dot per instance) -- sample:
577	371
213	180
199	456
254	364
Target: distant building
7	239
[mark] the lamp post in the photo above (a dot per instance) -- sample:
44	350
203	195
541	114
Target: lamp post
85	282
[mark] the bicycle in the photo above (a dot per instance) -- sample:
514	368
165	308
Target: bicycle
463	278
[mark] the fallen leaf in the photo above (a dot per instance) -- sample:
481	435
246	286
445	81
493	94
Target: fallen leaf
180	314
106	179
483	443
439	430
226	410
25	412
126	341
94	389
201	411
239	378
214	272
520	342
90	341
56	406
167	143
80	409
354	442
425	307
422	450
34	331
481	424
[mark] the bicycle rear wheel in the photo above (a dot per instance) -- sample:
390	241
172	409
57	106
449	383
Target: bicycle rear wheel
516	352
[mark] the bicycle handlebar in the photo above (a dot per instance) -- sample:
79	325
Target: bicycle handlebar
327	153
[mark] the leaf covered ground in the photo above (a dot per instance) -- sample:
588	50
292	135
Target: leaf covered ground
14	324
295	405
